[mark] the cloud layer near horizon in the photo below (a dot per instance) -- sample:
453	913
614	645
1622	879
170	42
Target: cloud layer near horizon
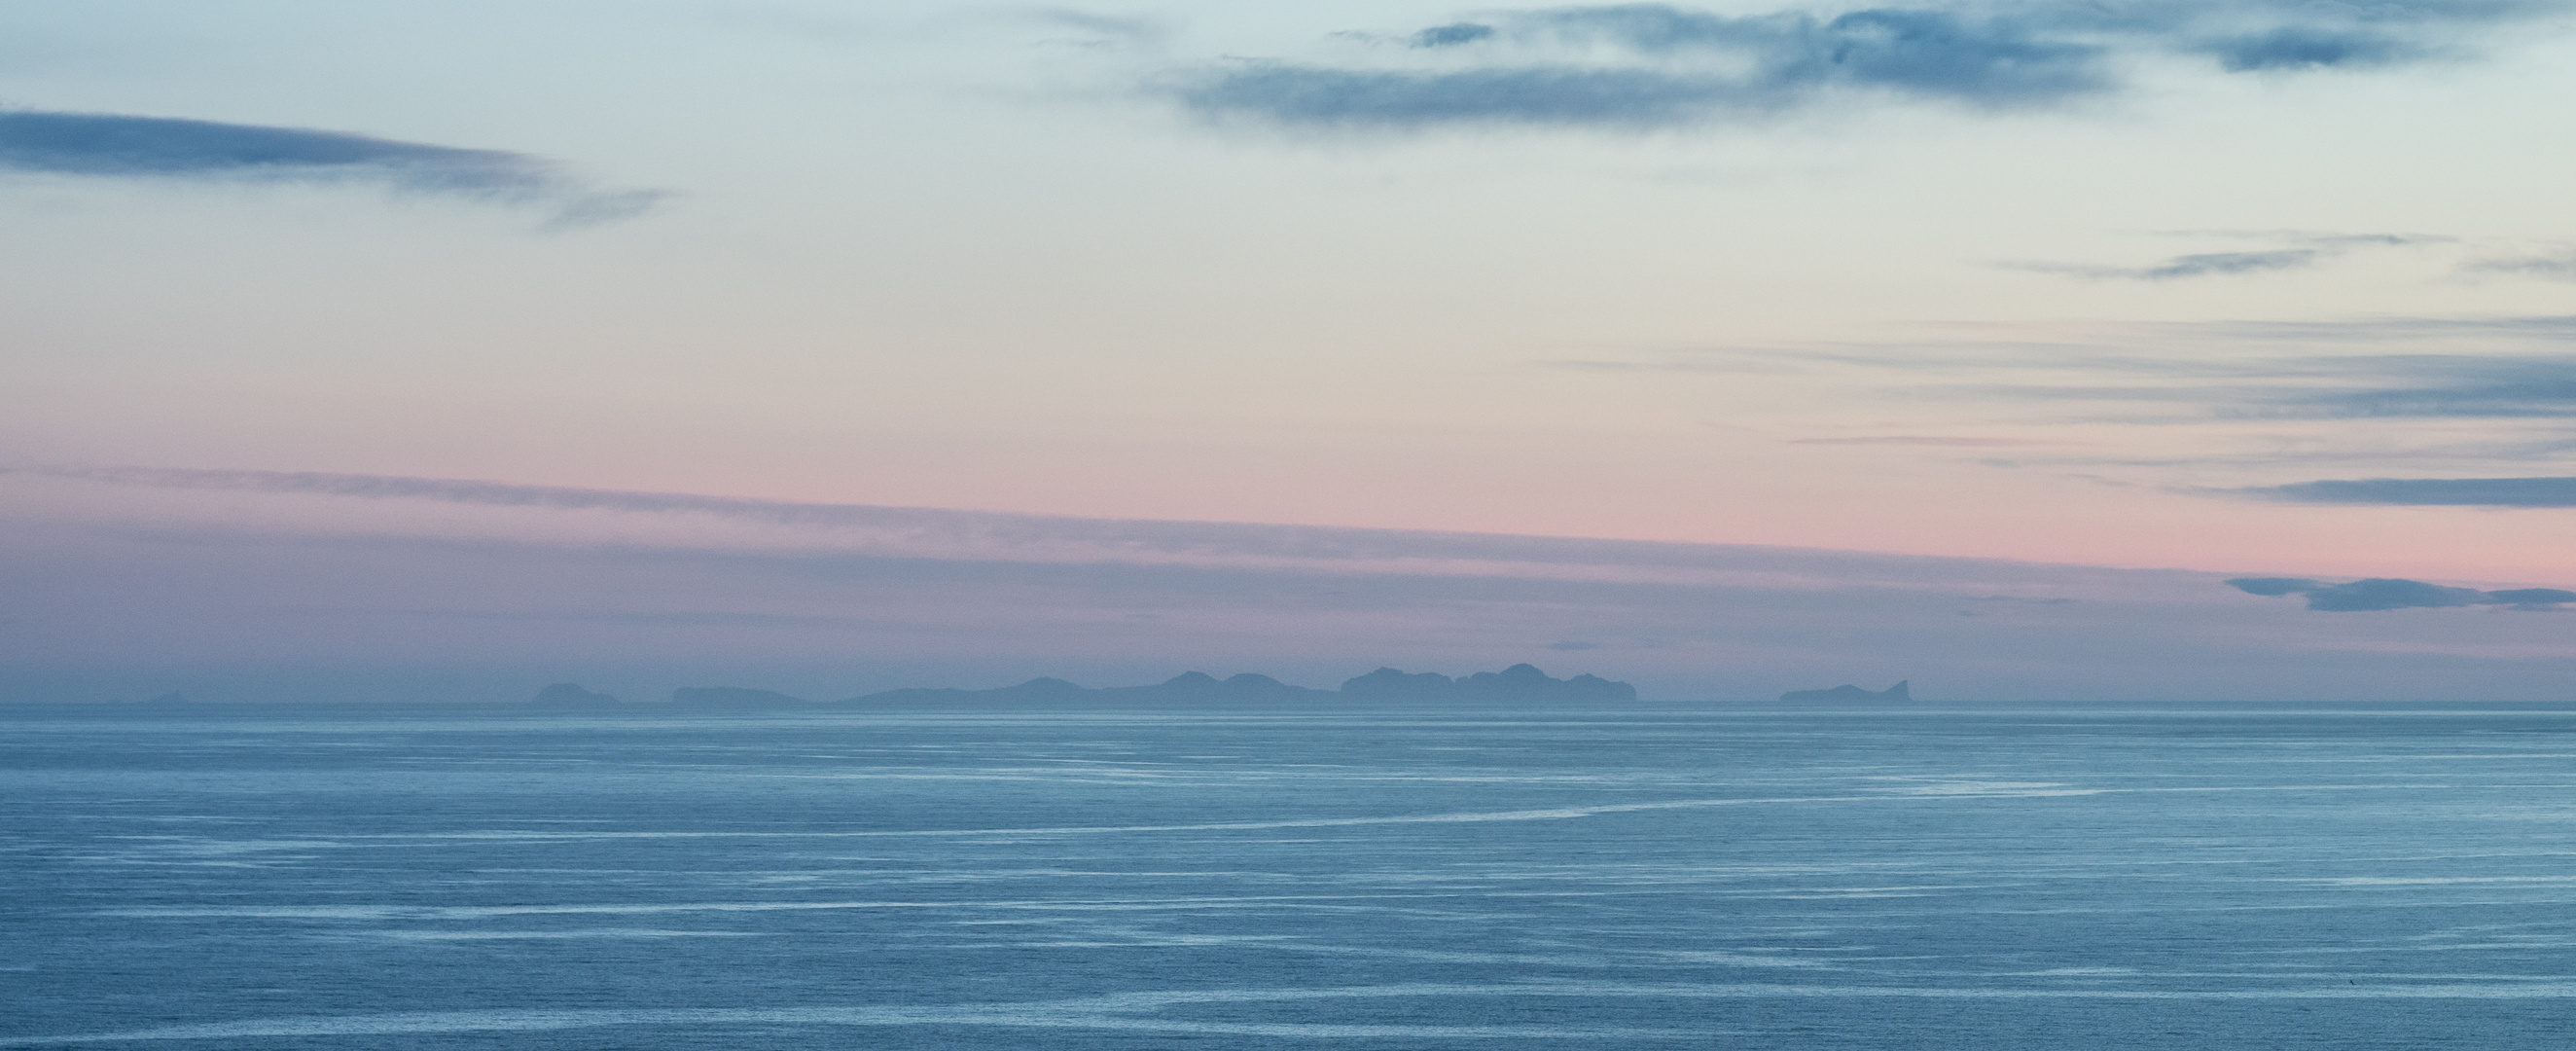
2426	492
282	577
115	145
988	535
1658	65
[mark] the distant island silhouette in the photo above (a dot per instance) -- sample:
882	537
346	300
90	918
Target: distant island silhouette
1520	683
569	695
1898	692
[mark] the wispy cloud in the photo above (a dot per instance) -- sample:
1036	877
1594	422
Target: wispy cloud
2450	388
2207	407
2204	264
983	535
2463	386
2554	328
1922	439
2307	250
2378	594
2187	381
1124	30
1656	65
2424	492
111	145
2560	266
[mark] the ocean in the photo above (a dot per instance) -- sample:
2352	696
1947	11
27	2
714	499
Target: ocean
1998	878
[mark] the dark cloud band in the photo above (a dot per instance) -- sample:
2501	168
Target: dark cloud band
2427	492
104	144
1658	65
95	144
1313	96
2387	593
2206	264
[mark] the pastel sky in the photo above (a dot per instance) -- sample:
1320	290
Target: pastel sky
1972	342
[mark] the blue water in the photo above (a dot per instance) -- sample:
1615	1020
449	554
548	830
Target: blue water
1996	879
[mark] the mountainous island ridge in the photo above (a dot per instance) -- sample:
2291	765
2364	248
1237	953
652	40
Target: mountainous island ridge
1899	692
1518	683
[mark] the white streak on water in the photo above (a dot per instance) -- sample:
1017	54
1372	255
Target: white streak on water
1938	793
470	912
603	932
1123	1011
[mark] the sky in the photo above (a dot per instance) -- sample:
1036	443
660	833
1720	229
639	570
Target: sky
441	351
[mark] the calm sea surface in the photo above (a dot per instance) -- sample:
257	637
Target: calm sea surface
1995	879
